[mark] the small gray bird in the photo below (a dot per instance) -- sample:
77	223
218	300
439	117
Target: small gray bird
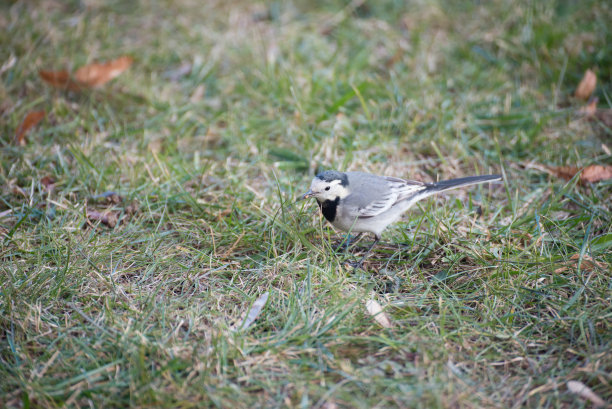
365	203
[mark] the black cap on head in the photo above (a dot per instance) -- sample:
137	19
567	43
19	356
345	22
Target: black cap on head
331	175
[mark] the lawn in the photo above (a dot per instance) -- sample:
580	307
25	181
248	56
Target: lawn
141	220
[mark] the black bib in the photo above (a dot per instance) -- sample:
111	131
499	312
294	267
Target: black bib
328	208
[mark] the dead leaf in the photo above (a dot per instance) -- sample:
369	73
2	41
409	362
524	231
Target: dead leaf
587	85
48	183
590	174
88	76
596	173
585	392
107	218
59	79
563	172
376	311
31	120
587	264
253	312
97	74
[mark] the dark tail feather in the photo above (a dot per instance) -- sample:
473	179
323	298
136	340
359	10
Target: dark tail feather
455	183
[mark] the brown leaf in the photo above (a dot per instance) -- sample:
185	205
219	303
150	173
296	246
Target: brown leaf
29	121
107	218
587	264
97	74
596	173
586	86
48	183
564	172
590	174
59	79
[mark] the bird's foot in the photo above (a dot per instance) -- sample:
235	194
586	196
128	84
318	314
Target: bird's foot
344	245
355	264
341	247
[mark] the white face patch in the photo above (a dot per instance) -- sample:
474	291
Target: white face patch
323	190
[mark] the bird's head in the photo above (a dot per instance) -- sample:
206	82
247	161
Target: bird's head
328	185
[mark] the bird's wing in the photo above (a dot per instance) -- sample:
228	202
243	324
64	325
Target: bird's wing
379	206
405	188
372	195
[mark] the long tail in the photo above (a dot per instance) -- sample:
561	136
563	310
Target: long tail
433	188
455	183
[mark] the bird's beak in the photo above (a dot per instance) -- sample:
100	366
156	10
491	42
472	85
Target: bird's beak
307	195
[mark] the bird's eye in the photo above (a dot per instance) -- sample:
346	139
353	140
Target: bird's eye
327	188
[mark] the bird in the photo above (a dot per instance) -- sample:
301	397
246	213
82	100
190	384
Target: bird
362	202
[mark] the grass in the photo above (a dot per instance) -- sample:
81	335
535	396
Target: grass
499	295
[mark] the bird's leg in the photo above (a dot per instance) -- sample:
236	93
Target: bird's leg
357	237
359	264
347	241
